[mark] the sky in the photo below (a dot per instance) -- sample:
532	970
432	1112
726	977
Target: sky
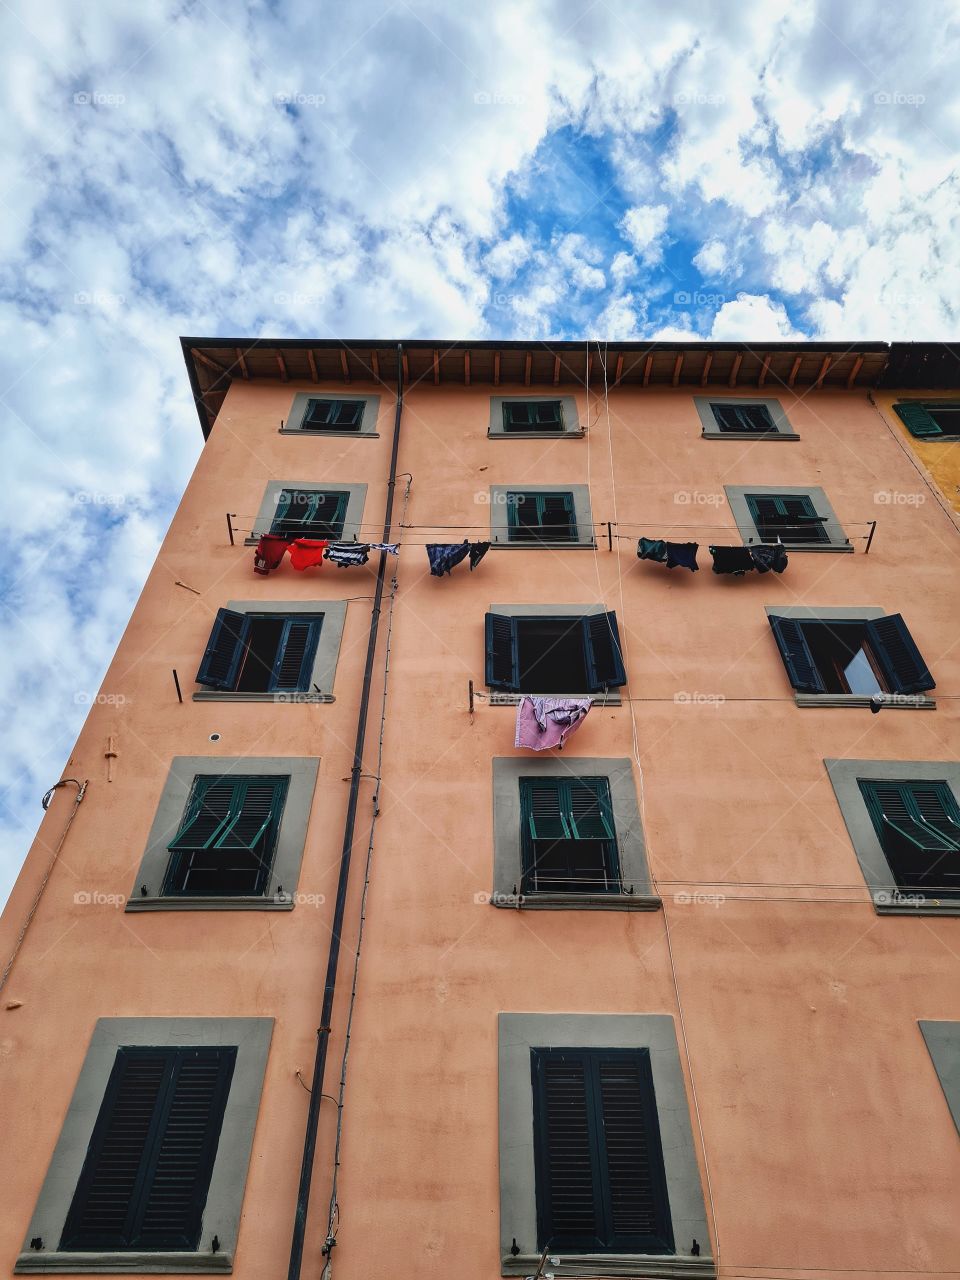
725	169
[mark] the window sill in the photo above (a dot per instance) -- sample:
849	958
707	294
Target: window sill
898	902
749	435
497	698
611	1264
285	902
543	546
795	548
535	435
350	435
217	695
895	701
132	1263
576	901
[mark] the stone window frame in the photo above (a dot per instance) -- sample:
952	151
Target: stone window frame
334	614
298	408
221	1215
352	521
501	698
887	897
518	1033
280	893
942	1039
631	845
736	497
710	429
582	514
570	418
852	613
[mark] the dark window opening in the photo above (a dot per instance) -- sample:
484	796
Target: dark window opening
844	658
551	656
532	415
791	518
333	415
147	1171
918	826
554	655
930	421
541	517
568	843
226	843
261	653
310	513
755	418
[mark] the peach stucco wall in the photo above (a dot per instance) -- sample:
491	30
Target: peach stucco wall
827	1137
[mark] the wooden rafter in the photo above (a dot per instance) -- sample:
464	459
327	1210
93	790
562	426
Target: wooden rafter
242	362
375	362
436	367
705	374
823	370
589	367
283	367
496	368
344	367
618	373
205	359
793	372
556	370
406	370
527	366
647	366
763	370
466	368
677	366
852	377
737	362
312	362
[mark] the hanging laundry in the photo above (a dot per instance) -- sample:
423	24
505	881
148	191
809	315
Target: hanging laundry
347	555
735	560
683	555
307	552
548	722
444	556
269	551
477	551
392	547
652	549
767	556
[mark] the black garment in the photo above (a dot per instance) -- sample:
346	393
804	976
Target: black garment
443	556
652	549
769	556
682	555
477	551
737	560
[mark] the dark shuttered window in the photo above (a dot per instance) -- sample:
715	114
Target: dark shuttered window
541	517
568	840
752	418
600	1181
333	415
850	656
554	654
533	415
260	653
228	836
144	1181
930	421
310	513
918	826
790	517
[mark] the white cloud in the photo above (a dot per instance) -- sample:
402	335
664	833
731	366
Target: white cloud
643	226
752	318
711	258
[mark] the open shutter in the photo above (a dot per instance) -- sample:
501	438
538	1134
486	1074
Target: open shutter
256	813
548	413
225	648
917	420
212	804
601	646
937	806
590	816
898	656
545	813
796	655
349	414
516	416
555	516
503	666
567	1166
295	654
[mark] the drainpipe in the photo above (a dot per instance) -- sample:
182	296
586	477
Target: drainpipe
333	955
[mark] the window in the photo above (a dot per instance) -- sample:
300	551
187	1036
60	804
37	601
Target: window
600	1179
836	655
903	819
568	838
930	420
739	419
228	837
801	518
596	1147
541	517
311	513
918	826
323	415
529	416
554	654
260	653
152	1158
943	1044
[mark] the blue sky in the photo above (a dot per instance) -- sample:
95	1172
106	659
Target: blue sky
734	169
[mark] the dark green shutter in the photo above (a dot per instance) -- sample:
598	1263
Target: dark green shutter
604	656
503	666
754	418
295	655
917	420
590	816
796	654
898	656
917	825
224	651
550	506
542	808
236	817
210	806
147	1170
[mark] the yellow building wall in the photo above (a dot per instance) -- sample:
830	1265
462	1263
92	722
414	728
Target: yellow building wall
940	458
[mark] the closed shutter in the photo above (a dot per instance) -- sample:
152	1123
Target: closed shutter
601	645
333	414
555	516
917	420
517	416
743	417
549	414
503	667
225	648
147	1170
796	654
601	1185
898	656
295	655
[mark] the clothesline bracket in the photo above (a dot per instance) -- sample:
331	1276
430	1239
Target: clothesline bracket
176	684
470	694
609	535
230	520
873	530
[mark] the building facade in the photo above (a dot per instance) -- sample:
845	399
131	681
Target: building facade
679	997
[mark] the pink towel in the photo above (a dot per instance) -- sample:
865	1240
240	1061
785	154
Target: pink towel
548	722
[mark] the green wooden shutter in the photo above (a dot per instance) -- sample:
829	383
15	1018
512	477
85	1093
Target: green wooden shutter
555	517
212	800
543	808
899	657
295	654
254	815
516	415
603	652
796	654
225	649
590	814
502	661
917	420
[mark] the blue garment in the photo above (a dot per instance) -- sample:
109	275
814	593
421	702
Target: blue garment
682	555
443	556
652	549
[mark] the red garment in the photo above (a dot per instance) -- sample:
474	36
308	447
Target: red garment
305	552
270	551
